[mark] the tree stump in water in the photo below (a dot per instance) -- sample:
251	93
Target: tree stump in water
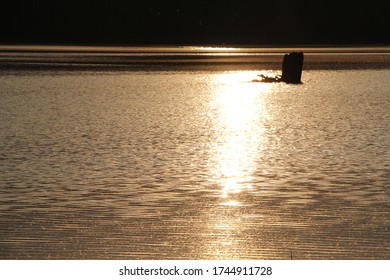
292	68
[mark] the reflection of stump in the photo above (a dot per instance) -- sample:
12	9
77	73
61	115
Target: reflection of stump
292	67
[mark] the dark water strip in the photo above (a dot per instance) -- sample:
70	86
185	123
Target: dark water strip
245	61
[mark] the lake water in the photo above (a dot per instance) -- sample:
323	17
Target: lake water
176	161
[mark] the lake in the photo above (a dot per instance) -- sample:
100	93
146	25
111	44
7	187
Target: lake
174	153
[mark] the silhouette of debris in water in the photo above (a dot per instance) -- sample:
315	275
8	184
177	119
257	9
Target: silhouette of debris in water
291	70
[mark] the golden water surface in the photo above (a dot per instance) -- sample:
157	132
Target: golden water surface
194	165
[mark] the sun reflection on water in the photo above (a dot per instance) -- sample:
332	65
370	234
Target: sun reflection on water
240	111
239	114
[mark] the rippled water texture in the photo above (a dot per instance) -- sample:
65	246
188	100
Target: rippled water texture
194	165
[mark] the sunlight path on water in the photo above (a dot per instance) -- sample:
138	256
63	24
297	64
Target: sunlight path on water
240	112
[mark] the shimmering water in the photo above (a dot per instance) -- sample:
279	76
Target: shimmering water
194	165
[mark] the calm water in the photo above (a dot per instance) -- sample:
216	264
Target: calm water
194	165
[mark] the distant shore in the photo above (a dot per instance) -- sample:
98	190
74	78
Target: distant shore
187	58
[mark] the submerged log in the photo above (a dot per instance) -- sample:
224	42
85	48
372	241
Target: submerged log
267	79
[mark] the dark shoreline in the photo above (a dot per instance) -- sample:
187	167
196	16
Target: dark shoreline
186	58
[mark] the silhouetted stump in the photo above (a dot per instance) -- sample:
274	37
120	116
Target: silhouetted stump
292	68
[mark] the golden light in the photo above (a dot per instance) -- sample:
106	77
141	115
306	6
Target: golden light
240	109
216	49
